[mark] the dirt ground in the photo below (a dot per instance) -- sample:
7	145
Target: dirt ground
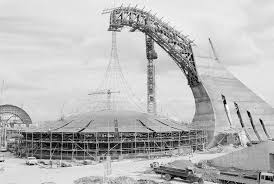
15	171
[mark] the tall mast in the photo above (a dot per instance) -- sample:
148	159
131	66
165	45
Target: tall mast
151	91
213	50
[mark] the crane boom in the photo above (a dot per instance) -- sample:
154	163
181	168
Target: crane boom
108	93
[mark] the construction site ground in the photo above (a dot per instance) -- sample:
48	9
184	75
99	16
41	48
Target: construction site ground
15	171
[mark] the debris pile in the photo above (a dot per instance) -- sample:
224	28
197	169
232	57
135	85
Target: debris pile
118	180
89	180
181	164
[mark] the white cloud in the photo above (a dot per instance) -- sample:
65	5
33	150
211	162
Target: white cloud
58	50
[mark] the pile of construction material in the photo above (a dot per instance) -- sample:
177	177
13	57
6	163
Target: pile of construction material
58	163
117	180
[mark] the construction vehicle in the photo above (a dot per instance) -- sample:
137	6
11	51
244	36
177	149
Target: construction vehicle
244	178
186	174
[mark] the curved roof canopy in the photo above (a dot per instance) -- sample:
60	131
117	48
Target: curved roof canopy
107	121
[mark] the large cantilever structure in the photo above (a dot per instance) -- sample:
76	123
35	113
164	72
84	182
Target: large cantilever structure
208	84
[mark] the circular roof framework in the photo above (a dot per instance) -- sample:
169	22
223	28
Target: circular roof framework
16	111
118	134
112	121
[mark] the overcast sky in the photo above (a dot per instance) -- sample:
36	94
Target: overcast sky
53	52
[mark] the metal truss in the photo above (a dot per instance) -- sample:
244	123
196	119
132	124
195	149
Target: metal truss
96	145
20	113
178	46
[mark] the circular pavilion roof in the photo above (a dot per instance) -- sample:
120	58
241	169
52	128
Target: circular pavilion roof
107	121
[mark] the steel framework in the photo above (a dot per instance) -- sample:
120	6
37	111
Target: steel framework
20	113
96	145
177	45
15	112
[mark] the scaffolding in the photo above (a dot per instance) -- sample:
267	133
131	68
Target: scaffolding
117	145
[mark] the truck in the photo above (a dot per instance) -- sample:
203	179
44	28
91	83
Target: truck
259	177
187	174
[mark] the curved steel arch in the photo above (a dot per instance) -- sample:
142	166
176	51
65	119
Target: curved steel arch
17	111
179	47
207	87
173	42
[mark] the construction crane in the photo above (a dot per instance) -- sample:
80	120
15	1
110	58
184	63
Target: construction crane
105	92
151	56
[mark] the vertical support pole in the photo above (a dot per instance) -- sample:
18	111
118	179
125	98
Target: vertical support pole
161	142
32	144
50	149
172	140
189	138
84	146
135	137
41	146
96	145
76	145
154	144
108	140
148	141
72	153
27	144
196	139
62	146
121	144
151	55
88	145
18	144
179	143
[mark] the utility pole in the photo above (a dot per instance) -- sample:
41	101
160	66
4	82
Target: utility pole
151	56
